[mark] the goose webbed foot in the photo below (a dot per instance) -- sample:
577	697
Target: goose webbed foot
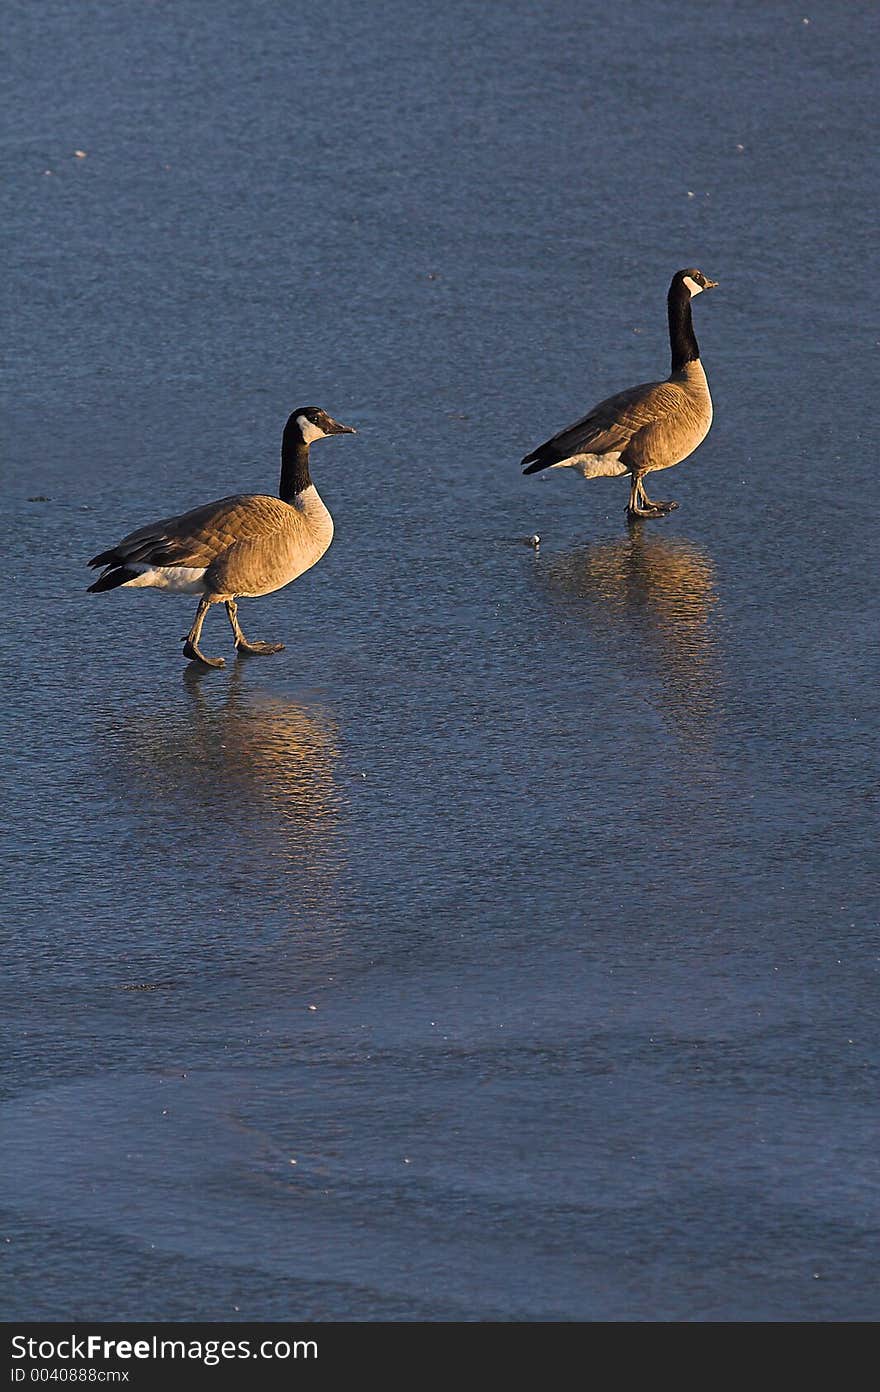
635	514
191	647
193	652
661	507
640	505
257	648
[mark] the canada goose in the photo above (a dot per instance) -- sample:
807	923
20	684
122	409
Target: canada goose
648	427
246	545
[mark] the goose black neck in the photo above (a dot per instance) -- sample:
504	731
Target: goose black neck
682	340
295	474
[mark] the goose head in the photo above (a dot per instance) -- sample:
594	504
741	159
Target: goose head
692	281
311	424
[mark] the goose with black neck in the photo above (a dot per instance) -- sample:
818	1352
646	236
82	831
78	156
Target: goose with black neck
645	428
246	545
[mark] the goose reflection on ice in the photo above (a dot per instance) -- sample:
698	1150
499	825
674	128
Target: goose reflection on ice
245	763
656	596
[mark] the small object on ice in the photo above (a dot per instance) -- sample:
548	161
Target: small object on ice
293	1162
313	1007
740	148
406	1160
80	154
690	194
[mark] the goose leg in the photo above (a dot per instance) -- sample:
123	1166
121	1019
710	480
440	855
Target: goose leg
191	641
640	504
661	507
256	649
635	507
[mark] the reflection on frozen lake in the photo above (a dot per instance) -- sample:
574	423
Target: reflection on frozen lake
656	598
257	771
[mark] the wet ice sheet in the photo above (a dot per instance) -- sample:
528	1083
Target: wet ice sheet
573	850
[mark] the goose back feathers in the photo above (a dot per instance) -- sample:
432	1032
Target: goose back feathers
651	426
249	544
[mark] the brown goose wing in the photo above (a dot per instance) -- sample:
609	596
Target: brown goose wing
609	427
198	537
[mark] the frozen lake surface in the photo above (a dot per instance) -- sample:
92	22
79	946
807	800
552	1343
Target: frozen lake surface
507	947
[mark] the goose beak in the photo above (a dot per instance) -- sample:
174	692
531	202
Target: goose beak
710	284
337	429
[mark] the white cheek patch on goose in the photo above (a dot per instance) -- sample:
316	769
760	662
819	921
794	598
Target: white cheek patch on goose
309	430
692	285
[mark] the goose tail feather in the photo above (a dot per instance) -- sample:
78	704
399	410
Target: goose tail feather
112	577
537	460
